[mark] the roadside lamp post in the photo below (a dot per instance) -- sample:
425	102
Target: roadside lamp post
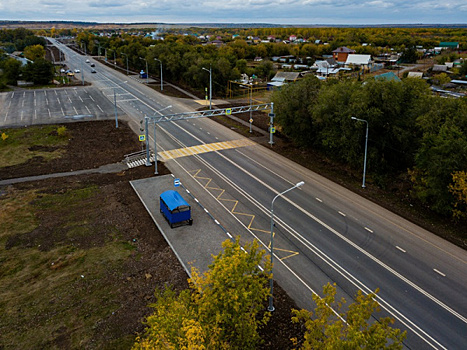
115	103
210	84
126	62
251	101
147	70
162	83
82	72
148	163
301	183
366	148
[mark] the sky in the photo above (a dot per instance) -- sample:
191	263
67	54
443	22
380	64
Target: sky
291	12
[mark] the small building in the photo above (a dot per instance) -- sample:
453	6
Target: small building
389	76
341	53
282	78
418	75
449	45
440	68
217	43
358	60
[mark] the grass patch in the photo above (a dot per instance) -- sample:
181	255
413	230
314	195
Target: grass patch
23	144
16	215
57	297
59	292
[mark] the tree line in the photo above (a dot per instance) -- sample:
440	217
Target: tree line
413	135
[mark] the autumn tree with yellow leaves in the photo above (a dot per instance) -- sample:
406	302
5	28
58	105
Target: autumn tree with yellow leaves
223	309
329	328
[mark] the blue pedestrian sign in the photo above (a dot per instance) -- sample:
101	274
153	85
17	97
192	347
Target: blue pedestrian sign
176	182
142	138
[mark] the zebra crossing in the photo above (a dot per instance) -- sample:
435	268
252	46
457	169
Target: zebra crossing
139	158
204	148
138	161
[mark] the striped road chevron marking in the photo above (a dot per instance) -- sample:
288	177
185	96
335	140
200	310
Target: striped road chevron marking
250	218
205	148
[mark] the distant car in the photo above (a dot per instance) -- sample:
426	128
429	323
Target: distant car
77	70
93	71
62	70
87	61
70	73
93	65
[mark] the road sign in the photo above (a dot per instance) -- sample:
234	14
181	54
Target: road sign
273	130
142	138
176	182
271	115
251	120
228	111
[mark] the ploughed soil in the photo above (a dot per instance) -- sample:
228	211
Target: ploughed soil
152	265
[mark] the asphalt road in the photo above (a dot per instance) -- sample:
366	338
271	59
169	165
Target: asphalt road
323	232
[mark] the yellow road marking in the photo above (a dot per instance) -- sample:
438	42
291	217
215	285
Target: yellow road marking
195	174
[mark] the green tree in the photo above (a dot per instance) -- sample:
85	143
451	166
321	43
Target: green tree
39	72
443	151
410	56
34	52
222	308
12	71
458	188
463	69
292	105
351	329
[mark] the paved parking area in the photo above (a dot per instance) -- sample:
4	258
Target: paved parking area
194	245
27	107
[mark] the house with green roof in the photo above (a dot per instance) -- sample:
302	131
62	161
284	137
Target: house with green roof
449	45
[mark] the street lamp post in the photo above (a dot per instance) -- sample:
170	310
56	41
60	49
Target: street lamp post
162	83
366	148
210	85
147	70
126	62
147	140
301	183
251	112
115	104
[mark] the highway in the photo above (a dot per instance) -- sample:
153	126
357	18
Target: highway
324	233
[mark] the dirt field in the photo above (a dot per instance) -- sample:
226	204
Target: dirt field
80	255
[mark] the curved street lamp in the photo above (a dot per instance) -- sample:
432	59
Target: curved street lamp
210	84
126	62
162	84
366	148
301	183
148	163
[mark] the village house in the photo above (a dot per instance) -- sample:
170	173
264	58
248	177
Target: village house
341	53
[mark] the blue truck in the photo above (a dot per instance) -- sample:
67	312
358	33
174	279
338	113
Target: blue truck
175	209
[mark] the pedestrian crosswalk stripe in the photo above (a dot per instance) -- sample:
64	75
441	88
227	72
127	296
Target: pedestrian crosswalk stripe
205	148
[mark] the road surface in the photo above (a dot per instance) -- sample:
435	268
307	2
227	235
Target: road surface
323	232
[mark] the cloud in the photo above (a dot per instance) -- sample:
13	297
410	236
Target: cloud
107	3
239	11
